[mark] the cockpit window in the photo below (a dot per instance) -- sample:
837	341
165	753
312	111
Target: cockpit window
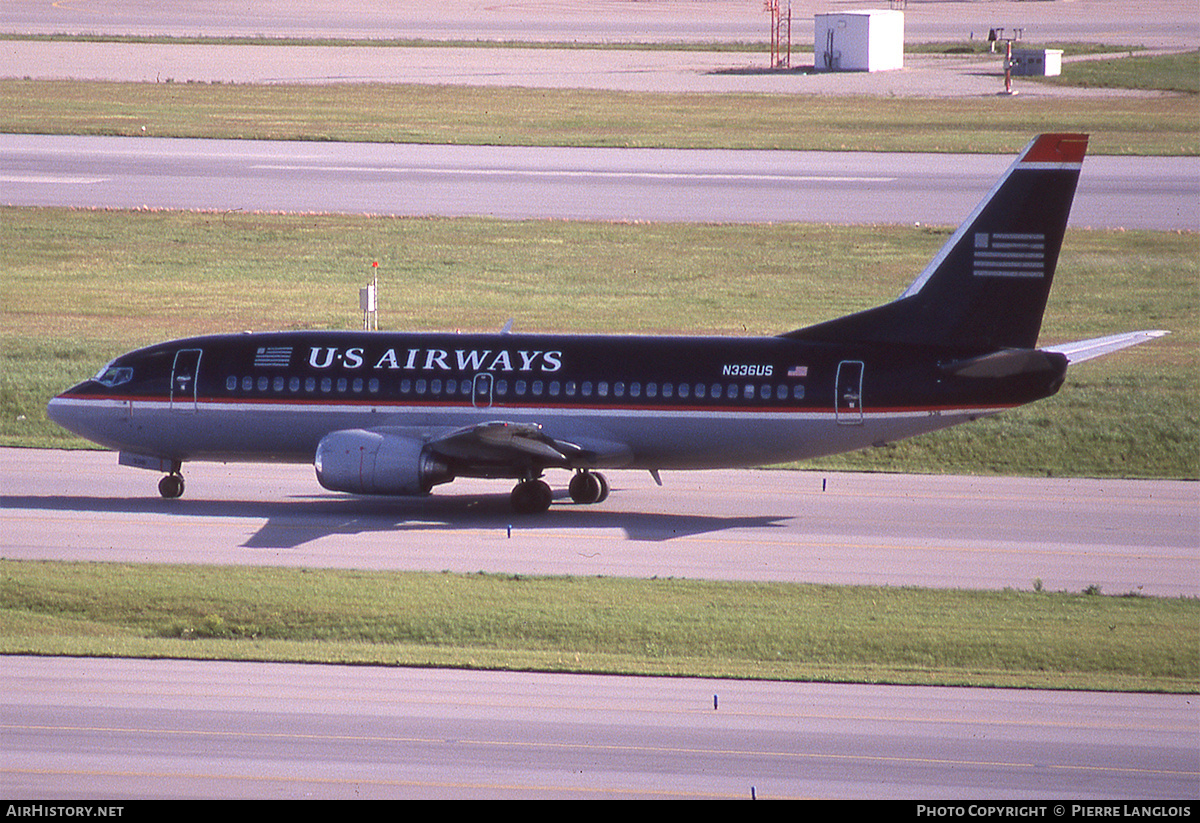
114	375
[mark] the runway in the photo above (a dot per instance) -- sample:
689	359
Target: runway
1157	193
94	730
1149	23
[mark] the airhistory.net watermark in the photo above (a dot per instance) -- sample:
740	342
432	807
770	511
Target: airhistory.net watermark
52	810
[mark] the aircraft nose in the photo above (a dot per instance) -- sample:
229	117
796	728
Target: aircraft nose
65	410
57	410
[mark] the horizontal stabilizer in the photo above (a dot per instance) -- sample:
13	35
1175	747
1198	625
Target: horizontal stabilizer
1082	350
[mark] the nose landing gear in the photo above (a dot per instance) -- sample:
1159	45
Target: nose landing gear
171	486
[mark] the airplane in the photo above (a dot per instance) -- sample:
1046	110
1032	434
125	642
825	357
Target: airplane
384	413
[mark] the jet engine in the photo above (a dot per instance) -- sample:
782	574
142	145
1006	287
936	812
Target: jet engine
367	462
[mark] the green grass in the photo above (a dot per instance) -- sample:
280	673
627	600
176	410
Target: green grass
1165	72
975	46
553	117
386	43
605	625
122	279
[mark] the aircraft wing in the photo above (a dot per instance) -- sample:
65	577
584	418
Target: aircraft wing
1082	350
506	443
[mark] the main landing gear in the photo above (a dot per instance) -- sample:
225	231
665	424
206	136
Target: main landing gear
588	487
533	496
171	486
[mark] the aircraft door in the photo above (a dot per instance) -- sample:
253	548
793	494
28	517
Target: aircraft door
848	393
184	378
481	390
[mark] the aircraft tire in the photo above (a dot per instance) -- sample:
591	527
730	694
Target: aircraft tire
584	488
531	497
588	487
600	498
171	486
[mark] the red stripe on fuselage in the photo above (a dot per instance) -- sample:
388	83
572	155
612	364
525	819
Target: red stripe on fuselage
525	405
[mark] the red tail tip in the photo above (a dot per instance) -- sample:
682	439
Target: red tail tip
1057	148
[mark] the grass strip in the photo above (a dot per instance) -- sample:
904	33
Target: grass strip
1134	125
777	631
1165	72
121	279
397	42
979	47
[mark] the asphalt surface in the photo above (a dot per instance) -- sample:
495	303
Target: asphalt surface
1149	23
1158	193
91	730
871	529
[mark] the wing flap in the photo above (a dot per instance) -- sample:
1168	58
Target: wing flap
526	438
502	443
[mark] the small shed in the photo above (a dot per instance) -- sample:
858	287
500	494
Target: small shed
859	41
1037	62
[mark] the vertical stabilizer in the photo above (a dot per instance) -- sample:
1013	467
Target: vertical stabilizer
988	285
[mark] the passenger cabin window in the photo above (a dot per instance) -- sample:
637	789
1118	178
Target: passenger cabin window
439	387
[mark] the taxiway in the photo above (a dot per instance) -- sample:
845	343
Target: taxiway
818	527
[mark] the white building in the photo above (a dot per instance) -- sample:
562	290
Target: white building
859	41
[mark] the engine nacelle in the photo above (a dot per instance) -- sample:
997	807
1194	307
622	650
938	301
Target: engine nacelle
366	462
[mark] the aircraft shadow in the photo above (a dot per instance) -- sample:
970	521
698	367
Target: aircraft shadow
299	520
